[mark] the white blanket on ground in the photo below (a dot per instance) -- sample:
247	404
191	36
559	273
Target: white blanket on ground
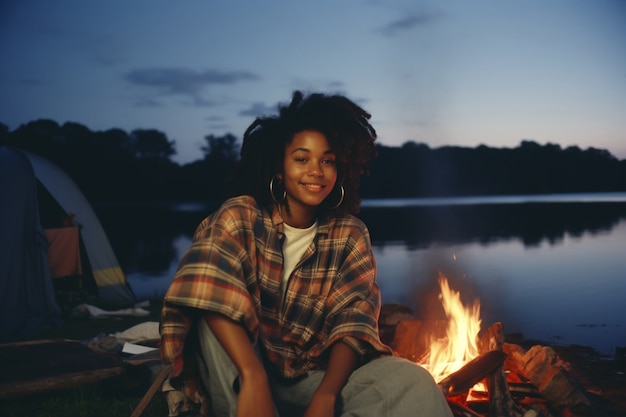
92	311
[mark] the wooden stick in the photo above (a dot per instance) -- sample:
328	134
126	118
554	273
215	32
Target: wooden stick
57	382
156	384
472	372
501	402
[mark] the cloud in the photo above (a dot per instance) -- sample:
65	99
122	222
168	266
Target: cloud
186	82
309	85
336	85
219	126
409	22
216	122
258	109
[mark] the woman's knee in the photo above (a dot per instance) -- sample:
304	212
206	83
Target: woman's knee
406	371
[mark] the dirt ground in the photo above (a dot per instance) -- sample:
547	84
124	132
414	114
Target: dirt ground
602	377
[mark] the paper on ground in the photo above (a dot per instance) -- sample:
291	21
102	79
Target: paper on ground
135	349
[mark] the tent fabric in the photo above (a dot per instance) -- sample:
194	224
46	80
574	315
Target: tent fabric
27	298
111	281
28	302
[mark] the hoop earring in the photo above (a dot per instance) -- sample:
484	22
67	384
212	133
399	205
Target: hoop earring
283	197
343	194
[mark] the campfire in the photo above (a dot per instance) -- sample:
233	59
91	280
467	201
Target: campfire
480	374
459	345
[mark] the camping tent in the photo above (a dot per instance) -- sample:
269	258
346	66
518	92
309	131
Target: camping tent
26	248
27	299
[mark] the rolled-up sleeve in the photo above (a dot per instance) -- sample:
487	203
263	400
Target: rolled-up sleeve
217	274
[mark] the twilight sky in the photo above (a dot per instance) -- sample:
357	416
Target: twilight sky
442	73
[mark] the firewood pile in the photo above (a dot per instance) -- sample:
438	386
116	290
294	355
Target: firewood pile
510	380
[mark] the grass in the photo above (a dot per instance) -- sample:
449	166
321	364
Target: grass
108	398
94	400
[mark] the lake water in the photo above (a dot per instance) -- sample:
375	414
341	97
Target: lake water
552	268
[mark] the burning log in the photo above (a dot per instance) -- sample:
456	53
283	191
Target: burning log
409	341
390	317
472	373
541	366
500	399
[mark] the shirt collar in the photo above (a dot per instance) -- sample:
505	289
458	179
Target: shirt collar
277	221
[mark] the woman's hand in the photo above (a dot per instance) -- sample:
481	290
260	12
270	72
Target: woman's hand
322	405
343	360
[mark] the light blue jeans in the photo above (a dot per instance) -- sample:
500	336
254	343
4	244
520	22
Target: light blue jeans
384	387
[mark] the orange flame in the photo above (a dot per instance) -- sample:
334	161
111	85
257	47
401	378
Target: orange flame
460	343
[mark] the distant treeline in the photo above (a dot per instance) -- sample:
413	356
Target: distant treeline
117	166
417	170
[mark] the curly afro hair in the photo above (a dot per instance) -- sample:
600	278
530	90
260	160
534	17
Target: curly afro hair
346	127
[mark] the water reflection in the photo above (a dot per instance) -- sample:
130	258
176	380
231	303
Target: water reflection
143	236
571	293
419	227
554	271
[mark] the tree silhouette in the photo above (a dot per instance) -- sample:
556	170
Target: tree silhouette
205	179
150	144
221	148
113	165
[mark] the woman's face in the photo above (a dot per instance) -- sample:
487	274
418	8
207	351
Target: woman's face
310	171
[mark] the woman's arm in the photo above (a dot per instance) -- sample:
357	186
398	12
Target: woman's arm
343	360
254	398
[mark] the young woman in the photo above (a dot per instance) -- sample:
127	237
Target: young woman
275	305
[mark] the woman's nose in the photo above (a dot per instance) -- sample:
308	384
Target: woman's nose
316	171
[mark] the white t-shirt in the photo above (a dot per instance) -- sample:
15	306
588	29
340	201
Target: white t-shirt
296	242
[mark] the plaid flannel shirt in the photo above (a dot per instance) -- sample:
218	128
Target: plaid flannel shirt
234	267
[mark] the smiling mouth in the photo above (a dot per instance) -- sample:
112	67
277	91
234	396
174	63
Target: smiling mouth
313	187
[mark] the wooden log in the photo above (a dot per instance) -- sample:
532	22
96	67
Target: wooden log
501	402
462	410
408	341
36	342
42	366
542	368
472	373
390	315
57	382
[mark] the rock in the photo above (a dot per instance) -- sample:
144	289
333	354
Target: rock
390	315
541	367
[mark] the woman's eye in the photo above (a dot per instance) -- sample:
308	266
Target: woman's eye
329	161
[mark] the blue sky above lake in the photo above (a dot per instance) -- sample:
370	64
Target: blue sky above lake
442	73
